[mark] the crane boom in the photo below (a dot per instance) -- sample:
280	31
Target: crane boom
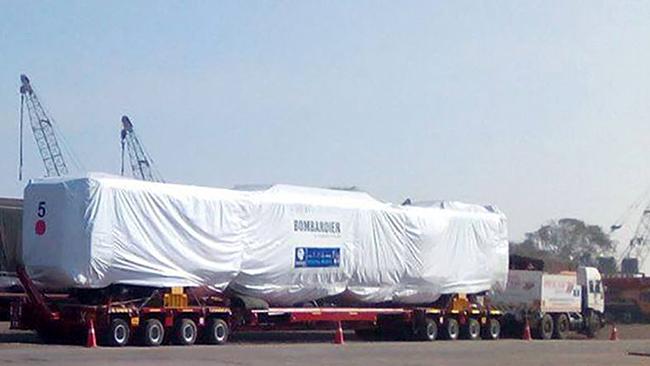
141	163
639	246
43	129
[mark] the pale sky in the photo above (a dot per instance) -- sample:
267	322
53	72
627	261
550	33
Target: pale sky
539	107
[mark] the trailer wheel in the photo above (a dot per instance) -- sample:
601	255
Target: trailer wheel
426	330
491	330
153	333
561	328
185	332
217	331
118	333
472	329
544	329
452	329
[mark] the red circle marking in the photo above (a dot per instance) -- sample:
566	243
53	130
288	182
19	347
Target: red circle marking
40	227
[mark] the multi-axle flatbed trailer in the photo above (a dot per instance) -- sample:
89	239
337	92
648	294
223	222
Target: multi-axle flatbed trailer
179	317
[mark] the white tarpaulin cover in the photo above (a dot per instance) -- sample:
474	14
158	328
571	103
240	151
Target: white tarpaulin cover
284	244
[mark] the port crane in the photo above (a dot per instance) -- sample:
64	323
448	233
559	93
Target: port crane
142	166
626	297
43	128
638	247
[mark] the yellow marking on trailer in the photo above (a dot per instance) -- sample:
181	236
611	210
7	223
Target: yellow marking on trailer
218	309
455	311
433	311
154	310
175	300
118	310
135	321
460	302
475	312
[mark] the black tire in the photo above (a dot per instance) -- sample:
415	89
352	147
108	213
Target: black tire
185	332
153	333
452	329
217	332
593	324
472	329
117	334
544	330
561	327
426	330
491	330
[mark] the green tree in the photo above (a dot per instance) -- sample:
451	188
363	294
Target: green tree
567	240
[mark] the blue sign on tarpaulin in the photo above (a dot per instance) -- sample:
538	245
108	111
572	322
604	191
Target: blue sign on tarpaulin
317	257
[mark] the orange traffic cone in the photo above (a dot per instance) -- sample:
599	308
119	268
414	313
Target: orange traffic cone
91	340
338	337
526	336
614	335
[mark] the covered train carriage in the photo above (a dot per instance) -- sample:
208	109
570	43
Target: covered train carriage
284	244
195	261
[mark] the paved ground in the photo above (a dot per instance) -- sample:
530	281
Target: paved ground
21	348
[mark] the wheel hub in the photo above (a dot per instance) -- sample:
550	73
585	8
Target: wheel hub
120	334
155	334
188	332
219	332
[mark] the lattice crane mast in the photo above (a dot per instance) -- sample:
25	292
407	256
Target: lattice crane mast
639	246
141	163
43	129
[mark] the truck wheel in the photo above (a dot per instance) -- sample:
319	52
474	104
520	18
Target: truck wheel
153	333
544	329
491	330
472	329
117	335
451	329
561	328
593	324
426	330
216	332
185	332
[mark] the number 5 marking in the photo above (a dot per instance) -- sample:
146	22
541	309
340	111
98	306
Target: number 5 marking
41	209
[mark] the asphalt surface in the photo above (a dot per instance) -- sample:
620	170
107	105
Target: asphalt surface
315	348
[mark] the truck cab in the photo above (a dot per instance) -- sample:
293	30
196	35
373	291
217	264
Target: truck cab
553	303
593	292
